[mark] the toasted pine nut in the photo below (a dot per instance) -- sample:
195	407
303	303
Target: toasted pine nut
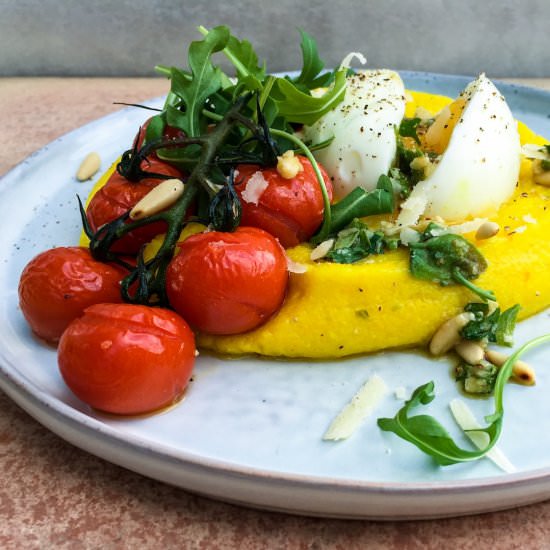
288	165
88	167
540	176
160	197
472	352
321	250
448	334
487	230
522	373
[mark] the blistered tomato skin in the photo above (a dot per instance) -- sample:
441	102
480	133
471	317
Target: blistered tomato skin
127	359
228	283
119	195
58	284
290	209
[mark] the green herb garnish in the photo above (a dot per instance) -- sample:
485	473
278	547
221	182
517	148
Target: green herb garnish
477	379
408	128
448	259
358	204
431	437
356	242
497	326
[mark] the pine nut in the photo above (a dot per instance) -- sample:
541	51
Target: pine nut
448	334
162	196
487	230
522	373
540	175
470	351
88	167
288	165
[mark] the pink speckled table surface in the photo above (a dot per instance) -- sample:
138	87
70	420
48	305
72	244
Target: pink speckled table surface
52	495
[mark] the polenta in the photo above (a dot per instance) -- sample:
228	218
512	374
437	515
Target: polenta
334	310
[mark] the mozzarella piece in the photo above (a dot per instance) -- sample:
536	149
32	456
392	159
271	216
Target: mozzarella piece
363	127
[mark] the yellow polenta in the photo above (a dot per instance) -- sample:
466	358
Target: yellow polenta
333	310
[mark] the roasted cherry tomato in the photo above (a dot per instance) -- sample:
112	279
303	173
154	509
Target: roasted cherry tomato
119	195
127	359
227	283
289	209
57	285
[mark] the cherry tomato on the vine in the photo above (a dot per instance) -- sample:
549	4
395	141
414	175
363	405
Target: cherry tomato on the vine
127	359
58	284
119	195
227	283
290	209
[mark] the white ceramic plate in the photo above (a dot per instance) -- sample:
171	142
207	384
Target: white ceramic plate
249	431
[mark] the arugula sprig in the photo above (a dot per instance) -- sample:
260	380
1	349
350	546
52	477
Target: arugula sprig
284	100
426	433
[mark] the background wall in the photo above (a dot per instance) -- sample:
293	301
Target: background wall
128	37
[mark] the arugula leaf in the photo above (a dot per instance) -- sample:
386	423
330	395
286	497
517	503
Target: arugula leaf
206	79
431	437
425	431
312	63
244	59
356	242
155	128
302	108
449	259
360	203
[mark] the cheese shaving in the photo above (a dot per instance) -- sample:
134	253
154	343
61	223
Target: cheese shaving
467	421
295	267
254	189
357	410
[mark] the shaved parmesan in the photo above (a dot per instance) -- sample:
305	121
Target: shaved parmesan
357	410
295	267
412	209
467	421
321	250
533	151
254	189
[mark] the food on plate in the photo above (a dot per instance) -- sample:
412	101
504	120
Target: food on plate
127	359
89	167
227	283
363	130
377	303
477	166
59	284
288	206
117	197
405	217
